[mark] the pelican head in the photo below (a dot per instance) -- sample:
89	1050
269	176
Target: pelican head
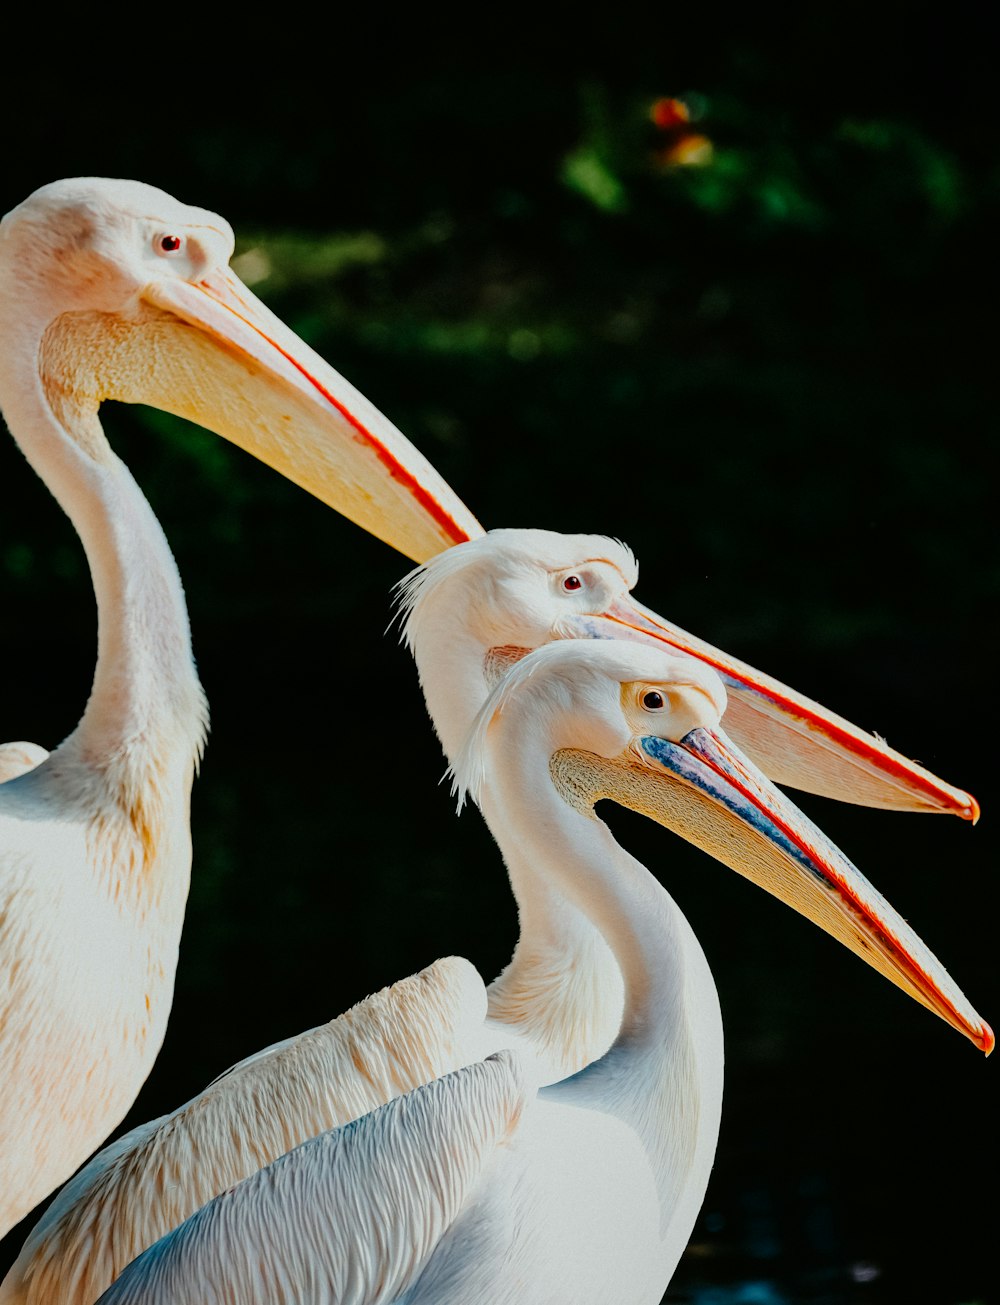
114	290
510	591
642	728
520	588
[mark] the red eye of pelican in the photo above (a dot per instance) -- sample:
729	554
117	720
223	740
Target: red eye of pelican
572	582
170	244
653	701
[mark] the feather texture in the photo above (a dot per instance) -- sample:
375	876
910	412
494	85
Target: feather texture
347	1218
149	1181
18	758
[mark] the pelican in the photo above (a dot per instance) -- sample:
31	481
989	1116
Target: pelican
486	1184
468	615
473	611
114	290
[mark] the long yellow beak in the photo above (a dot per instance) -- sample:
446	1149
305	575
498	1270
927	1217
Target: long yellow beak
794	740
217	356
704	789
211	352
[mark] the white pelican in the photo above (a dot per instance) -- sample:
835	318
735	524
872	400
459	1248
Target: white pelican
473	609
469	614
114	290
484	1185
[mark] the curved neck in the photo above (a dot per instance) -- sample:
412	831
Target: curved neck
451	667
145	691
562	987
663	1074
549	844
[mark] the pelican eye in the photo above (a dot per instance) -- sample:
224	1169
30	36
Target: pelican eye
653	701
169	244
572	583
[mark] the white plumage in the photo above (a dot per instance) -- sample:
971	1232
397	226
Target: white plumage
152	1178
469	616
488	1184
114	290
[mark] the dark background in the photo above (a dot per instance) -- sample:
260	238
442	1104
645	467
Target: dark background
772	374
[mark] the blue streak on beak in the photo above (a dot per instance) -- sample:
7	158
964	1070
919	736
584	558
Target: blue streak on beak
685	760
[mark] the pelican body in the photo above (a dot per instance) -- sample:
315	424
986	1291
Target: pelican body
114	290
470	615
488	1184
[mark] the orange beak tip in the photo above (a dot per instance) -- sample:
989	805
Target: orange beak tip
987	1041
972	810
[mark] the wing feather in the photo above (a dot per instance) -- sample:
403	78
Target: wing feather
348	1218
148	1182
18	758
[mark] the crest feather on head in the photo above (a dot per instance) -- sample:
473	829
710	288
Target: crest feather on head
468	771
506	549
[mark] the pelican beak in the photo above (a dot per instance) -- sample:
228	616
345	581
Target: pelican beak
704	789
237	369
794	740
